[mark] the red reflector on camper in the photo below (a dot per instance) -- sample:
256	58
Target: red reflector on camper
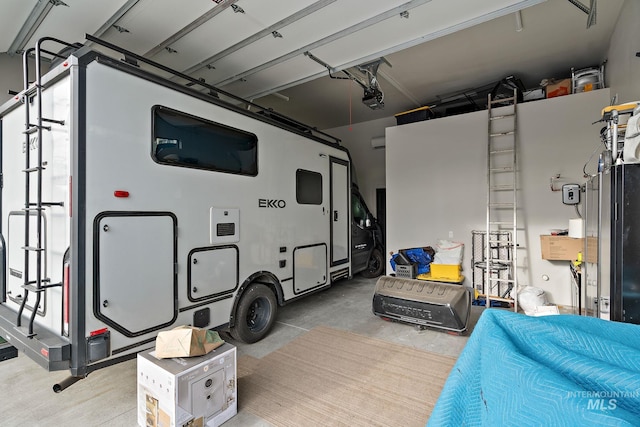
98	332
121	193
65	64
44	352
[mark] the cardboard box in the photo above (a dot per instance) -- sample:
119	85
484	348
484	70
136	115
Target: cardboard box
565	248
560	88
199	391
186	341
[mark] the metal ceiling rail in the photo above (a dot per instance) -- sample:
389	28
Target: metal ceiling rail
37	15
190	27
257	36
427	37
115	17
333	37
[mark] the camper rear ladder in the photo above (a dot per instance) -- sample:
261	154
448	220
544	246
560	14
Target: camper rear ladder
36	207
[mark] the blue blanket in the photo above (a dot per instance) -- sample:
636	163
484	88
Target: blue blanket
544	371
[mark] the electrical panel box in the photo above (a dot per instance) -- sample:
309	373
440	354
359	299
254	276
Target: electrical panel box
571	194
187	391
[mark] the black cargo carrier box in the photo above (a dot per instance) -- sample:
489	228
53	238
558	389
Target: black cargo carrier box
435	304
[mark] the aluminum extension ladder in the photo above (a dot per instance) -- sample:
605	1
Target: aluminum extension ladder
502	201
34	206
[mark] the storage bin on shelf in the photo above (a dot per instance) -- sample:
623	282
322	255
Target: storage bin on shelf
445	271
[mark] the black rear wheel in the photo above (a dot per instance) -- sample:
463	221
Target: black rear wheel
255	314
376	265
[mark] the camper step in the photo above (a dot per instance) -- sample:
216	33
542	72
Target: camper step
47	348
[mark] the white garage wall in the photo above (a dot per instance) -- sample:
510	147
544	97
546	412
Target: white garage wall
623	67
436	180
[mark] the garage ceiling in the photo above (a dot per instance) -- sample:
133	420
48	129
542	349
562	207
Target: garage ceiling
263	50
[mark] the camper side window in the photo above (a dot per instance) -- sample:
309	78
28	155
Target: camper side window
308	187
180	139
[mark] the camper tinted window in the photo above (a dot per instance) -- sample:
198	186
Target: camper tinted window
183	140
308	187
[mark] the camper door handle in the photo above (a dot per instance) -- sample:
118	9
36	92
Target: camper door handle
335	215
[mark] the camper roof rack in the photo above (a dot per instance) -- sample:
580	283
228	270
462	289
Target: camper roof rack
133	58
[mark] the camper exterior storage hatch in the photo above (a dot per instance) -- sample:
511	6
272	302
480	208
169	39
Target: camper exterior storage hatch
132	203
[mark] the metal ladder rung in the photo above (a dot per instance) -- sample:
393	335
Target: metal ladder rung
32	248
502	151
58	122
495	279
502	242
496	101
48	204
33	169
504	116
31	288
501	223
502	205
503	188
493	135
36	209
496	298
505	169
34	129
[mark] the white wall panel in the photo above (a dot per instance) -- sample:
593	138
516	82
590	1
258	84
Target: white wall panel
436	180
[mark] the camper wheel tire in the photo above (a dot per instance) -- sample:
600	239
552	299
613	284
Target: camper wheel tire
376	265
255	314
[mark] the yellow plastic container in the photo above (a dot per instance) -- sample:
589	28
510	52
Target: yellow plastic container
445	271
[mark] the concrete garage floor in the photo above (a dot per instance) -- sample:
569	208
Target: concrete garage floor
108	397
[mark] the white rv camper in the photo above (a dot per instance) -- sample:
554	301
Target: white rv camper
132	203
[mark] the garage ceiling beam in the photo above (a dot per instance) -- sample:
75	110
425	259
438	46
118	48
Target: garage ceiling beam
385	52
37	15
116	16
267	31
333	37
189	28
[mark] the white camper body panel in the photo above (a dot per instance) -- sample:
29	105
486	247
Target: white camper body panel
151	254
118	158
